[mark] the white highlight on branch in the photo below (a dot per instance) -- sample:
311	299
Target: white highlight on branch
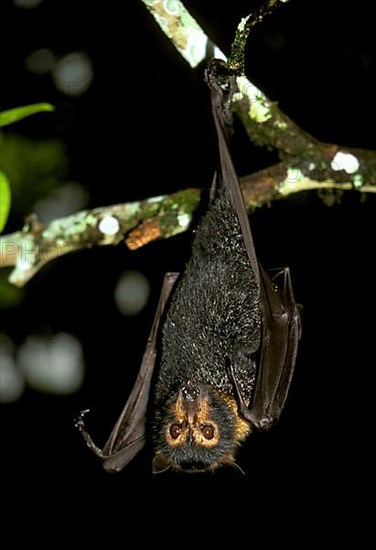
184	220
243	23
21	270
218	54
109	225
346	162
181	28
158	198
23	265
292	181
195	51
358	181
258	110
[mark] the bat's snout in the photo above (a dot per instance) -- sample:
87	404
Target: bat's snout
190	392
192	398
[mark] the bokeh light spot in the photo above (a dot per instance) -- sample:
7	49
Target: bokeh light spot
41	61
63	201
73	74
52	365
132	293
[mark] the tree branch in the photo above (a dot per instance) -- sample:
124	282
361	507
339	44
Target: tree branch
264	122
138	223
306	164
135	223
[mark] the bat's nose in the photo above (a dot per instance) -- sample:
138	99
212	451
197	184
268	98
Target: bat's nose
190	391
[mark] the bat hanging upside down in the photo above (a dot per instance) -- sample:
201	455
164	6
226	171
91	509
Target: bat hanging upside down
228	340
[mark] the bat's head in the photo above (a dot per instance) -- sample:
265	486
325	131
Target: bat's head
198	430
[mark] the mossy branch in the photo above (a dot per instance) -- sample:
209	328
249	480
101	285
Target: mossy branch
134	224
138	223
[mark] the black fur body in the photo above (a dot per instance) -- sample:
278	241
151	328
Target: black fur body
214	316
213	320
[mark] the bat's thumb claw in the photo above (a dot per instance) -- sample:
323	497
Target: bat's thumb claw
264	423
79	420
261	423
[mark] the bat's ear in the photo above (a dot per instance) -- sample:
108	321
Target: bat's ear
160	464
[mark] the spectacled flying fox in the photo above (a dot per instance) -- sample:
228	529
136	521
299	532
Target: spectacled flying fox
227	338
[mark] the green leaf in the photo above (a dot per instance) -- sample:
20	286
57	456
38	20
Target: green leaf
13	115
34	168
4	200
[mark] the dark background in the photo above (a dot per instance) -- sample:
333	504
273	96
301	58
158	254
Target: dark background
144	128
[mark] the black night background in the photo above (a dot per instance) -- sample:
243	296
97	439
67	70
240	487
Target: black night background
144	128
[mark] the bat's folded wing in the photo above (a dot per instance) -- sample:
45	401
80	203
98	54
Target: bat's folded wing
128	435
280	313
281	333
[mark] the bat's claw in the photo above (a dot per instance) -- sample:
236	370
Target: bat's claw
80	425
264	423
79	420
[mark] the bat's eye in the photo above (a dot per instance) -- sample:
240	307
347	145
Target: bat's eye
207	431
175	431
